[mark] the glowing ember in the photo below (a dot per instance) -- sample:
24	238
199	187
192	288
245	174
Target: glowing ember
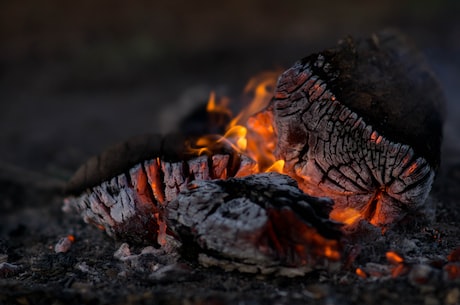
453	271
399	270
453	267
277	166
262	143
237	134
361	273
399	265
394	258
454	256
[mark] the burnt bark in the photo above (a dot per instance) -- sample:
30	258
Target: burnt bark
114	161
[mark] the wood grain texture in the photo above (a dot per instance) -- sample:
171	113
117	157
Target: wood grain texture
258	223
362	124
129	205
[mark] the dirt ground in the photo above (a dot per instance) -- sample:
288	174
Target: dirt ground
77	78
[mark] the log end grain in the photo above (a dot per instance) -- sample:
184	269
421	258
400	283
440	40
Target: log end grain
362	123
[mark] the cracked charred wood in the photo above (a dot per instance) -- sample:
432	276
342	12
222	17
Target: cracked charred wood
361	123
122	190
260	223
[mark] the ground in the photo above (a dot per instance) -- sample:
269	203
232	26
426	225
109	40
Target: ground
75	79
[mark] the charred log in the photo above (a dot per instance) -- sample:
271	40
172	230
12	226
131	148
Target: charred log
361	123
127	205
114	161
259	223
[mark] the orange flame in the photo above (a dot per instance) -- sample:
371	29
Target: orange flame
361	273
251	131
218	109
261	87
236	137
71	238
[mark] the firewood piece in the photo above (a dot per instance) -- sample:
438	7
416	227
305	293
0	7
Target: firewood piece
128	206
361	123
259	223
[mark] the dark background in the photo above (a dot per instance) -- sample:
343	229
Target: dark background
76	76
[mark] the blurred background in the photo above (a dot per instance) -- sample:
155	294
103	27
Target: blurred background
76	76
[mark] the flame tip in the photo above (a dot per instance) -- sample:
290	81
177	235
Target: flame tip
244	133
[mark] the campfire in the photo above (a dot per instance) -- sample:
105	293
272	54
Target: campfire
346	141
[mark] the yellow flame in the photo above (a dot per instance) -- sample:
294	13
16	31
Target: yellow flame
220	106
277	167
201	146
211	106
251	131
236	137
261	87
347	215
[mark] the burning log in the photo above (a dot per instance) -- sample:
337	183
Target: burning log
123	189
259	223
362	124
